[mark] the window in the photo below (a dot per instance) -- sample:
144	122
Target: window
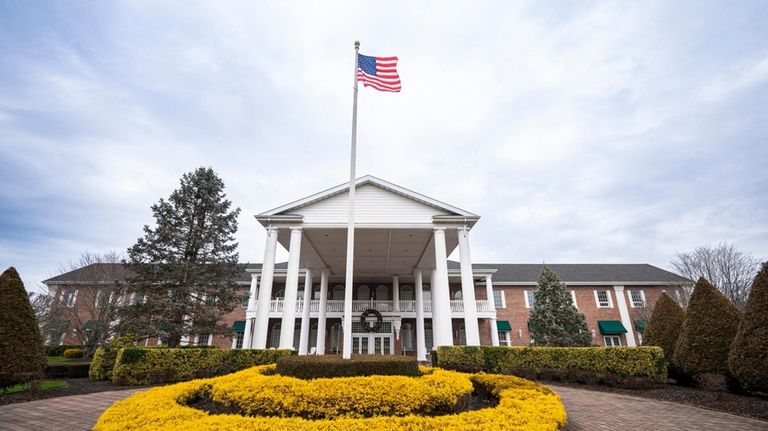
406	333
382	293
102	298
612	341
69	298
316	293
573	298
406	293
244	299
313	336
202	339
363	293
505	338
274	339
498	299
335	337
138	299
428	340
603	299
210	300
458	295
239	340
338	293
530	298
461	335
280	294
637	298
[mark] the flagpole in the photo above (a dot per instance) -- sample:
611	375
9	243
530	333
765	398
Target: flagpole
347	324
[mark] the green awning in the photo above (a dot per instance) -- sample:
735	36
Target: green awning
640	325
611	327
503	325
239	326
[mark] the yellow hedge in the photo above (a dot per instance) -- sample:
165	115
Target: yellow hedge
523	405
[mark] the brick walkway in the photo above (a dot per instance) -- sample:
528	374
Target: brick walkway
587	411
598	411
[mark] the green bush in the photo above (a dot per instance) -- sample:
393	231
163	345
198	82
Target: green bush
749	351
21	346
664	326
710	324
59	350
104	358
313	367
141	366
622	361
72	370
73	353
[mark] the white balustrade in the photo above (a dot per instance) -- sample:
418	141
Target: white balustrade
406	306
457	306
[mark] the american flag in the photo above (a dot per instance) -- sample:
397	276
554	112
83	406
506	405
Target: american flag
378	72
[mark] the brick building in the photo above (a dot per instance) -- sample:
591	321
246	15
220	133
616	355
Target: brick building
406	296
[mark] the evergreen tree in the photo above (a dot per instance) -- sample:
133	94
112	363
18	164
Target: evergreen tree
184	266
711	322
21	346
749	351
664	326
554	320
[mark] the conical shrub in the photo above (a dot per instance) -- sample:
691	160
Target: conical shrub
664	326
22	356
710	324
748	360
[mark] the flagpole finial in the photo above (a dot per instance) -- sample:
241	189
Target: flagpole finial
357	45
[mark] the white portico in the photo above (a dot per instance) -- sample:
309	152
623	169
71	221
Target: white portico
401	274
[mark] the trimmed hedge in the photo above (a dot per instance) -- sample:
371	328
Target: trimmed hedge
749	351
104	358
314	367
59	350
73	370
664	327
74	353
622	361
140	366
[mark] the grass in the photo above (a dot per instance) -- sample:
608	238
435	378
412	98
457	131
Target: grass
43	385
54	360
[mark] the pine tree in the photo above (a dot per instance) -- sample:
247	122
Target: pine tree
711	322
21	346
664	326
749	351
554	320
184	266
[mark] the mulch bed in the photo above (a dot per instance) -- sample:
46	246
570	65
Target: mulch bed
74	387
741	405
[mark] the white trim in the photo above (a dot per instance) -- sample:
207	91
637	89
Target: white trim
503	297
624	313
573	298
612	337
525	297
632	301
597	299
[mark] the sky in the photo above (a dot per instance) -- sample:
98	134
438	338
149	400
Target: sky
581	132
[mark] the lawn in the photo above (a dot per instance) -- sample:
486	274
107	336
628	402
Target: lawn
44	385
53	360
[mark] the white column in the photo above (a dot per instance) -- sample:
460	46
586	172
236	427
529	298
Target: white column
261	321
441	291
492	302
396	292
291	290
321	314
421	344
621	302
468	290
304	337
435	309
250	312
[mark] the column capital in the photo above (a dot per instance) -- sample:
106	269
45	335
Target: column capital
438	228
618	288
295	228
488	277
254	275
271	228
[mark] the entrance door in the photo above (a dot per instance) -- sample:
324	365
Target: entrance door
372	344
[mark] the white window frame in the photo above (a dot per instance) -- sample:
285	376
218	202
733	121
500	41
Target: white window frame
608	294
239	338
613	339
70	298
573	298
245	298
502	296
527	299
632	301
505	338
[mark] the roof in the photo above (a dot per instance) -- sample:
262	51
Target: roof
505	273
367	179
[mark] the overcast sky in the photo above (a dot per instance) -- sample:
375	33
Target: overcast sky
611	132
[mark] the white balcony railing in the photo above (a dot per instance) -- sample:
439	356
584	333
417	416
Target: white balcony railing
406	306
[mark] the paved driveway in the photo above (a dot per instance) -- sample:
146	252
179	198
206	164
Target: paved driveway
587	411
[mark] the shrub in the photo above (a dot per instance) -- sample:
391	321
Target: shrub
664	326
749	351
622	361
554	320
72	370
21	346
104	358
59	350
710	324
523	405
73	353
313	367
141	366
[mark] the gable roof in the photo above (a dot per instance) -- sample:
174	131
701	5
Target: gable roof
287	209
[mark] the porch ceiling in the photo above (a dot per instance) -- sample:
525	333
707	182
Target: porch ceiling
379	252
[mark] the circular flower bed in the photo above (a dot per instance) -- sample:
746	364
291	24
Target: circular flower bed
266	401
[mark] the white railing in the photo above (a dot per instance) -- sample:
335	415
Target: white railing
406	306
